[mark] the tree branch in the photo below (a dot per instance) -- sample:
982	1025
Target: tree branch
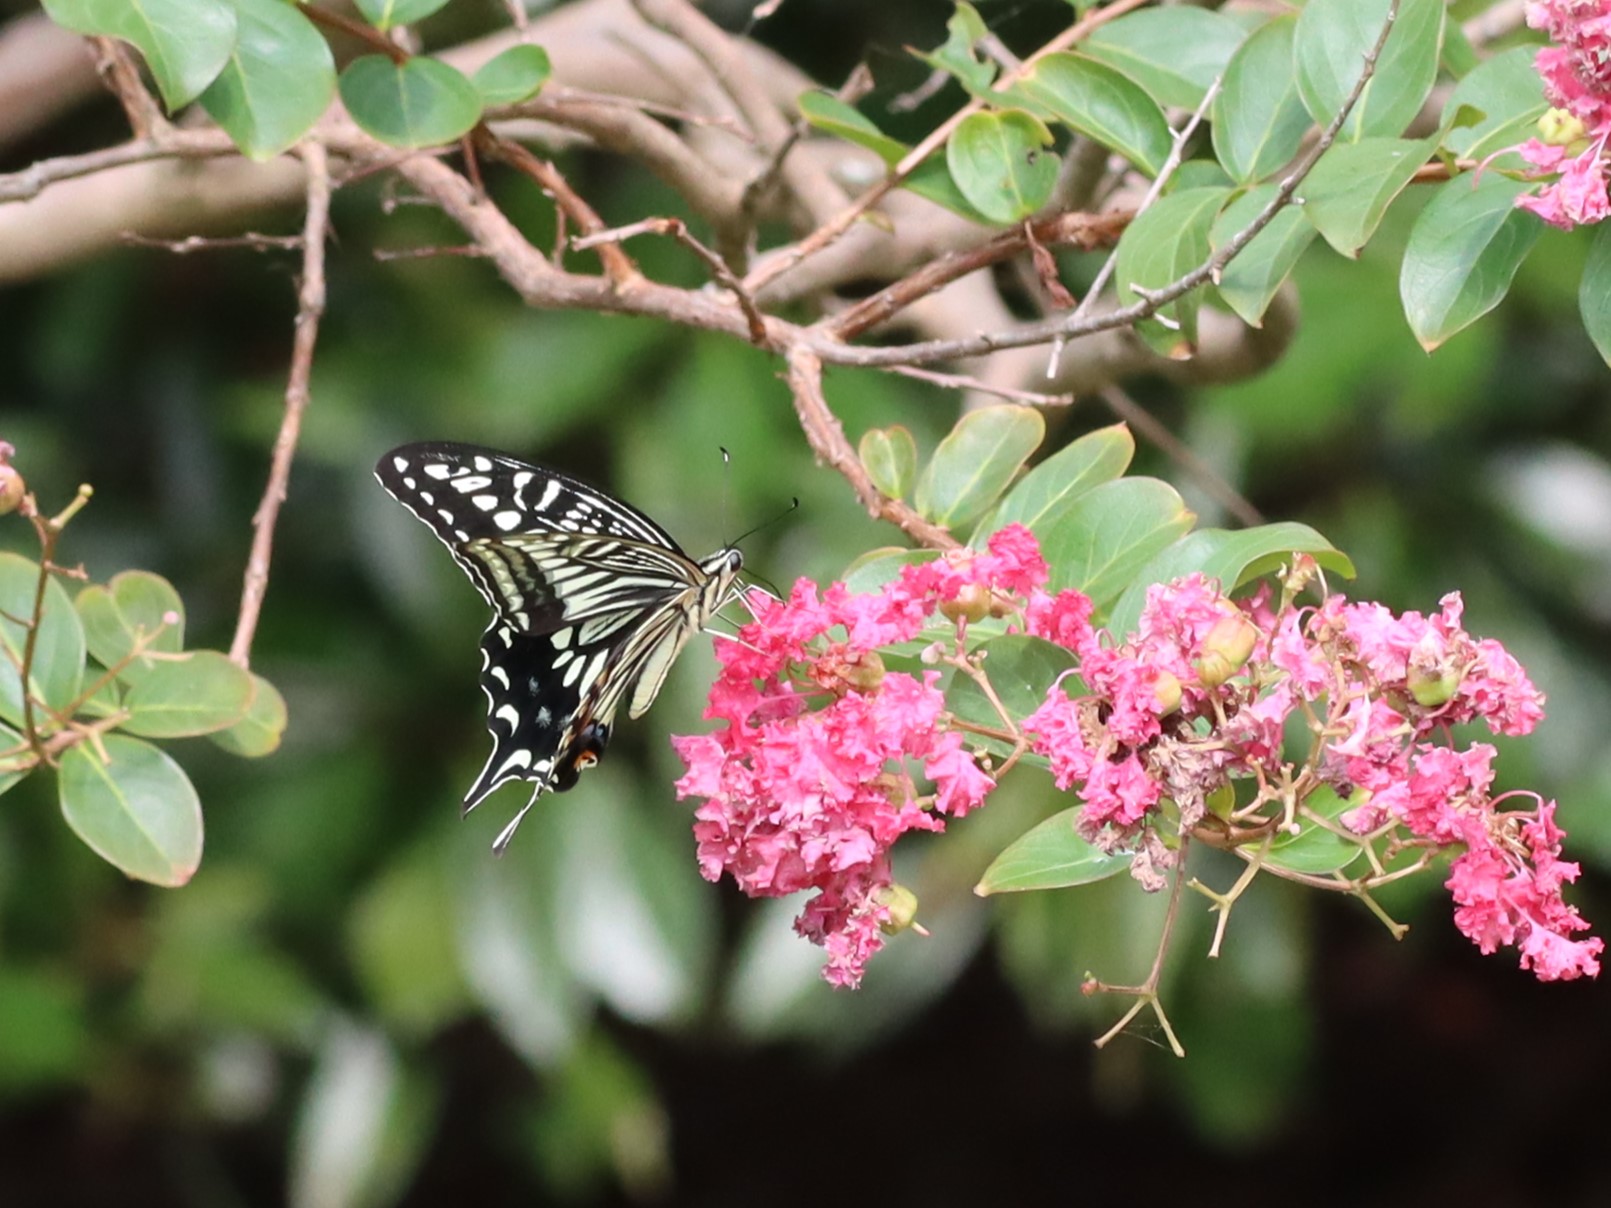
310	308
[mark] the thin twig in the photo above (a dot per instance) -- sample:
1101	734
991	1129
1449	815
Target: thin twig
1085	231
211	243
122	77
678	230
424	253
310	308
825	234
367	34
827	439
618	266
960	381
170	144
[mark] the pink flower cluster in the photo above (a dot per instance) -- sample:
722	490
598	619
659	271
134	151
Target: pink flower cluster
815	774
1577	81
1201	696
827	757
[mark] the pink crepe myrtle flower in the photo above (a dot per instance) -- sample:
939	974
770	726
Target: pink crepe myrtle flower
1576	71
1201	696
819	766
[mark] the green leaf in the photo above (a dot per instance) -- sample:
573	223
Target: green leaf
830	114
1314	849
513	76
58	667
1594	293
1175	54
132	608
1252	277
191	694
1333	38
259	732
878	568
1051	856
1349	190
957	56
1166	241
1102	539
16	758
185	43
1259	119
1022	669
976	461
1097	457
931	180
1101	104
1507	91
1233	557
384	14
890	458
277	82
998	161
136	809
1462	254
420	103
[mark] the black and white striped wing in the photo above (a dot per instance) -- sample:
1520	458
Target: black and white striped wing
591	602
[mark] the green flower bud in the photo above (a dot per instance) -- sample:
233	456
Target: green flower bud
972	604
1559	128
1225	650
1432	686
901	903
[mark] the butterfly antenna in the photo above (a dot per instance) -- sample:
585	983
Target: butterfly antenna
794	505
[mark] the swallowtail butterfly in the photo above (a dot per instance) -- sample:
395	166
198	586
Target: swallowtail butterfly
591	601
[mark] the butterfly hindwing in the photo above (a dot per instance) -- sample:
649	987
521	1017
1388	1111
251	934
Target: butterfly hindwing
591	602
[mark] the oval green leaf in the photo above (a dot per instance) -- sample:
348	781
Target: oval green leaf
259	732
1231	557
976	461
1101	104
420	103
890	458
190	694
1349	190
185	43
1252	277
1051	856
1259	119
1463	253
384	14
1175	54
1332	40
830	114
1102	540
130	611
958	57
58	667
1165	242
135	809
513	76
1506	90
1097	457
277	82
1594	293
999	163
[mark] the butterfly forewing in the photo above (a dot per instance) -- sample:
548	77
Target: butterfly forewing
591	602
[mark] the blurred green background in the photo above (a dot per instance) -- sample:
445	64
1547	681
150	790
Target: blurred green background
353	1003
